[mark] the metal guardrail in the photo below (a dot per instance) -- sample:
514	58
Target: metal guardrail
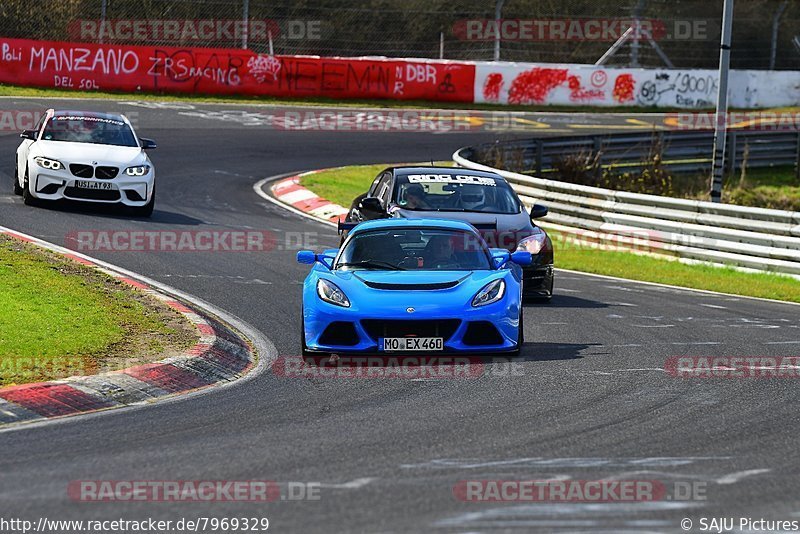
692	230
680	151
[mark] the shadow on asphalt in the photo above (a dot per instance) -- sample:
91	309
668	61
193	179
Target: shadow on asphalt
545	352
565	301
113	211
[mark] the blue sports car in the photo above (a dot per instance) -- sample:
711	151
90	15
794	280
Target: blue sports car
413	285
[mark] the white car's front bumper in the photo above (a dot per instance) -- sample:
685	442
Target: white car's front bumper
132	191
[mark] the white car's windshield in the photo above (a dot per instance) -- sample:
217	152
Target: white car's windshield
415	249
95	130
442	192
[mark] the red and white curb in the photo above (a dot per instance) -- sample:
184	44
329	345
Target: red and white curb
289	191
221	355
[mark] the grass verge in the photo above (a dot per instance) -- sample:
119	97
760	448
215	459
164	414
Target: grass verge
15	90
59	318
343	184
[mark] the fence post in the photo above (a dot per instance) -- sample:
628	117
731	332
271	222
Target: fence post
245	22
103	9
797	158
732	155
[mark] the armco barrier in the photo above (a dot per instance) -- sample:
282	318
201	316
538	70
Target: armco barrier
680	151
751	238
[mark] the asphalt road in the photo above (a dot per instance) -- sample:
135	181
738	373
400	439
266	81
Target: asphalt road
589	400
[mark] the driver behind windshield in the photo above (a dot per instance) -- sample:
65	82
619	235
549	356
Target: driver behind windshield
415	198
439	250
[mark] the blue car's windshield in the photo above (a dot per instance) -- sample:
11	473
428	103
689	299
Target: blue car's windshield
419	249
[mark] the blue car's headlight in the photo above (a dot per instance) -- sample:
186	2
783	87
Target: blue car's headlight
47	163
330	292
491	292
139	170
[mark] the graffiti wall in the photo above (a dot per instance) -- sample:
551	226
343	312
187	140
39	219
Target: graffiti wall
526	83
233	71
229	71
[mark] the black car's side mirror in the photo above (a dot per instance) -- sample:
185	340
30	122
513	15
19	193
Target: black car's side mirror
148	143
370	204
28	134
538	211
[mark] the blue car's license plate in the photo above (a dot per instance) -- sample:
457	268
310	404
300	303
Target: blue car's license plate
405	344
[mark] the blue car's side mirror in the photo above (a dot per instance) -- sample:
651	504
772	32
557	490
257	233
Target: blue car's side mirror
306	257
522	257
500	256
309	257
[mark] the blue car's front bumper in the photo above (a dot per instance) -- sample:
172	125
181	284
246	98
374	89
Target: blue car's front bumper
490	328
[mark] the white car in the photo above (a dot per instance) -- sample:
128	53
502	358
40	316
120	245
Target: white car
88	157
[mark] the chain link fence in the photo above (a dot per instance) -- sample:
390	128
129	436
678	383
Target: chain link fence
679	33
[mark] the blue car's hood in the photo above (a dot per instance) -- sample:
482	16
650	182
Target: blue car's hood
412	287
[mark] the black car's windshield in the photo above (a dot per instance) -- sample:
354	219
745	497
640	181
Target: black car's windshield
415	249
453	192
95	130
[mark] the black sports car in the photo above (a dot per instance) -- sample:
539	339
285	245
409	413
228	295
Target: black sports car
483	199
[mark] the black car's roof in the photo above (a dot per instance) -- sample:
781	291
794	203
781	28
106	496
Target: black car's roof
404	171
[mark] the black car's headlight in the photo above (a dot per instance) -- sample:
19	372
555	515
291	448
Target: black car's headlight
139	170
491	292
330	292
47	163
534	243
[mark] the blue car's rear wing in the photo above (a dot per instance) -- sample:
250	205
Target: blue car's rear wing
345	226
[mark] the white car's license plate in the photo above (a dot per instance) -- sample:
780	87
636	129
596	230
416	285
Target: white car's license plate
400	344
85	184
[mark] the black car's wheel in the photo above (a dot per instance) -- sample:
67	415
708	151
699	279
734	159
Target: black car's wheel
147	209
27	197
17	187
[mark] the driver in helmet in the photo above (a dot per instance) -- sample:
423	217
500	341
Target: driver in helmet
473	197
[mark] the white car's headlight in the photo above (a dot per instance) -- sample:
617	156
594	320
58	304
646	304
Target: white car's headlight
491	292
47	163
139	170
533	243
330	292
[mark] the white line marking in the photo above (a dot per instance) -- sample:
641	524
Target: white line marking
736	477
353	484
565	290
782	343
714	306
652	325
